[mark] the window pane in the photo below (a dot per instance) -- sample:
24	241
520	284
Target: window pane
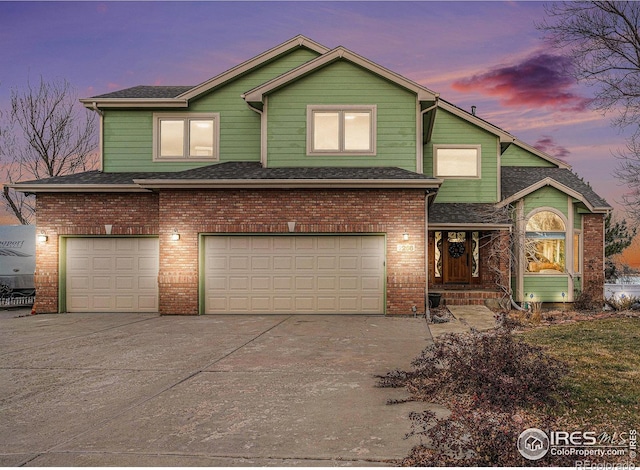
171	138
201	138
357	131
326	131
457	162
546	256
545	221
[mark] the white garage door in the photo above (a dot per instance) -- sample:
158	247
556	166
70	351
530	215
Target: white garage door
294	274
112	275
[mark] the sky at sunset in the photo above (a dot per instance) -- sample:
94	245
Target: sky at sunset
486	54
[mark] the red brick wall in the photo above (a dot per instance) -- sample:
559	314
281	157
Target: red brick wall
84	214
593	247
268	211
235	211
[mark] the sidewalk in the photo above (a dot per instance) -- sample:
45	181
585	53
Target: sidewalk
465	318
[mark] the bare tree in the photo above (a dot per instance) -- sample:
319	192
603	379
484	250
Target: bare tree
44	136
603	40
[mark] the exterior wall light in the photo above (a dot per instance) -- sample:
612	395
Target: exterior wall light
42	238
405	236
175	236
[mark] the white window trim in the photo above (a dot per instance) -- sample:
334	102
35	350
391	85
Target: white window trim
372	109
478	175
157	117
578	232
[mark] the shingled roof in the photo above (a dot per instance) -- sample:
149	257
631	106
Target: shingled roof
147	92
230	173
517	181
448	214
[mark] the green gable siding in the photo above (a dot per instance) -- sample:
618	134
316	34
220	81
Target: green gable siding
451	130
547	197
517	156
128	134
342	83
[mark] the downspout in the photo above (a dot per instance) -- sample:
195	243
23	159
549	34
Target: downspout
263	153
100	134
420	162
427	311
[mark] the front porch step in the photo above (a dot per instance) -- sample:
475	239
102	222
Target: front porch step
466	297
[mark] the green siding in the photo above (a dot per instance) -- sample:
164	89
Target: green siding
546	197
517	156
546	288
128	134
452	130
342	83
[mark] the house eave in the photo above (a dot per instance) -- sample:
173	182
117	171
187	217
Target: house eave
78	188
431	184
256	95
472	226
134	103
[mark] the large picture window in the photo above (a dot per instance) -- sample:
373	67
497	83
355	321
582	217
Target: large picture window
456	161
181	136
545	243
340	130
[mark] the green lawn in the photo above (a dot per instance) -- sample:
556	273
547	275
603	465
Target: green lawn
604	359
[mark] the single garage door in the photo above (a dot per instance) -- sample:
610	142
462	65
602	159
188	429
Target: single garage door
294	274
112	275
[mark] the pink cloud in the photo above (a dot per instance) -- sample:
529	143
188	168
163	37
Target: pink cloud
539	80
550	146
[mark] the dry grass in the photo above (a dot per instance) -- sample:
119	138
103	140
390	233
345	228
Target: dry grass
604	360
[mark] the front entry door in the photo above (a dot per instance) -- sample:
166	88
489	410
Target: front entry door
456	257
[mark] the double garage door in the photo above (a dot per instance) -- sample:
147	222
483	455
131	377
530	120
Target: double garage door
242	274
294	274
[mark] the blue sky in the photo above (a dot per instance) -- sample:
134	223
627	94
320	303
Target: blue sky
487	54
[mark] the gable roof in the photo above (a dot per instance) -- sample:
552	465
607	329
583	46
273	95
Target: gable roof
175	96
339	53
506	138
235	175
518	182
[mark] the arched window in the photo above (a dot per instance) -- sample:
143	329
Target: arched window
545	238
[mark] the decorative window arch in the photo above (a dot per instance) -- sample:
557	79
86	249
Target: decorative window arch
545	242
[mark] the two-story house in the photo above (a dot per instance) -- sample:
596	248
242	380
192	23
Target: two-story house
309	180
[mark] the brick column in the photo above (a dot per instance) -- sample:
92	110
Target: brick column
593	249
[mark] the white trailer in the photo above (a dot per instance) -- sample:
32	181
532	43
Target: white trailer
17	257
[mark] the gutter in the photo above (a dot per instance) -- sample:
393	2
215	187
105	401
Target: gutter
78	188
432	183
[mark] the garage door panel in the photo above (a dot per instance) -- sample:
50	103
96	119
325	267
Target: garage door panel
294	274
241	283
283	283
112	274
101	283
283	304
239	263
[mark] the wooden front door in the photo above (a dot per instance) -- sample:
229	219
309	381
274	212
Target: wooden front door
456	256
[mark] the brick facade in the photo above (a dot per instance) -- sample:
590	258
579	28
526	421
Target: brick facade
390	212
593	258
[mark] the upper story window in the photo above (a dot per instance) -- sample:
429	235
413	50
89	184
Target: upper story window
456	161
545	239
186	136
341	130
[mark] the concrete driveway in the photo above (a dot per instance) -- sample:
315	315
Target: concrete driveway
146	390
